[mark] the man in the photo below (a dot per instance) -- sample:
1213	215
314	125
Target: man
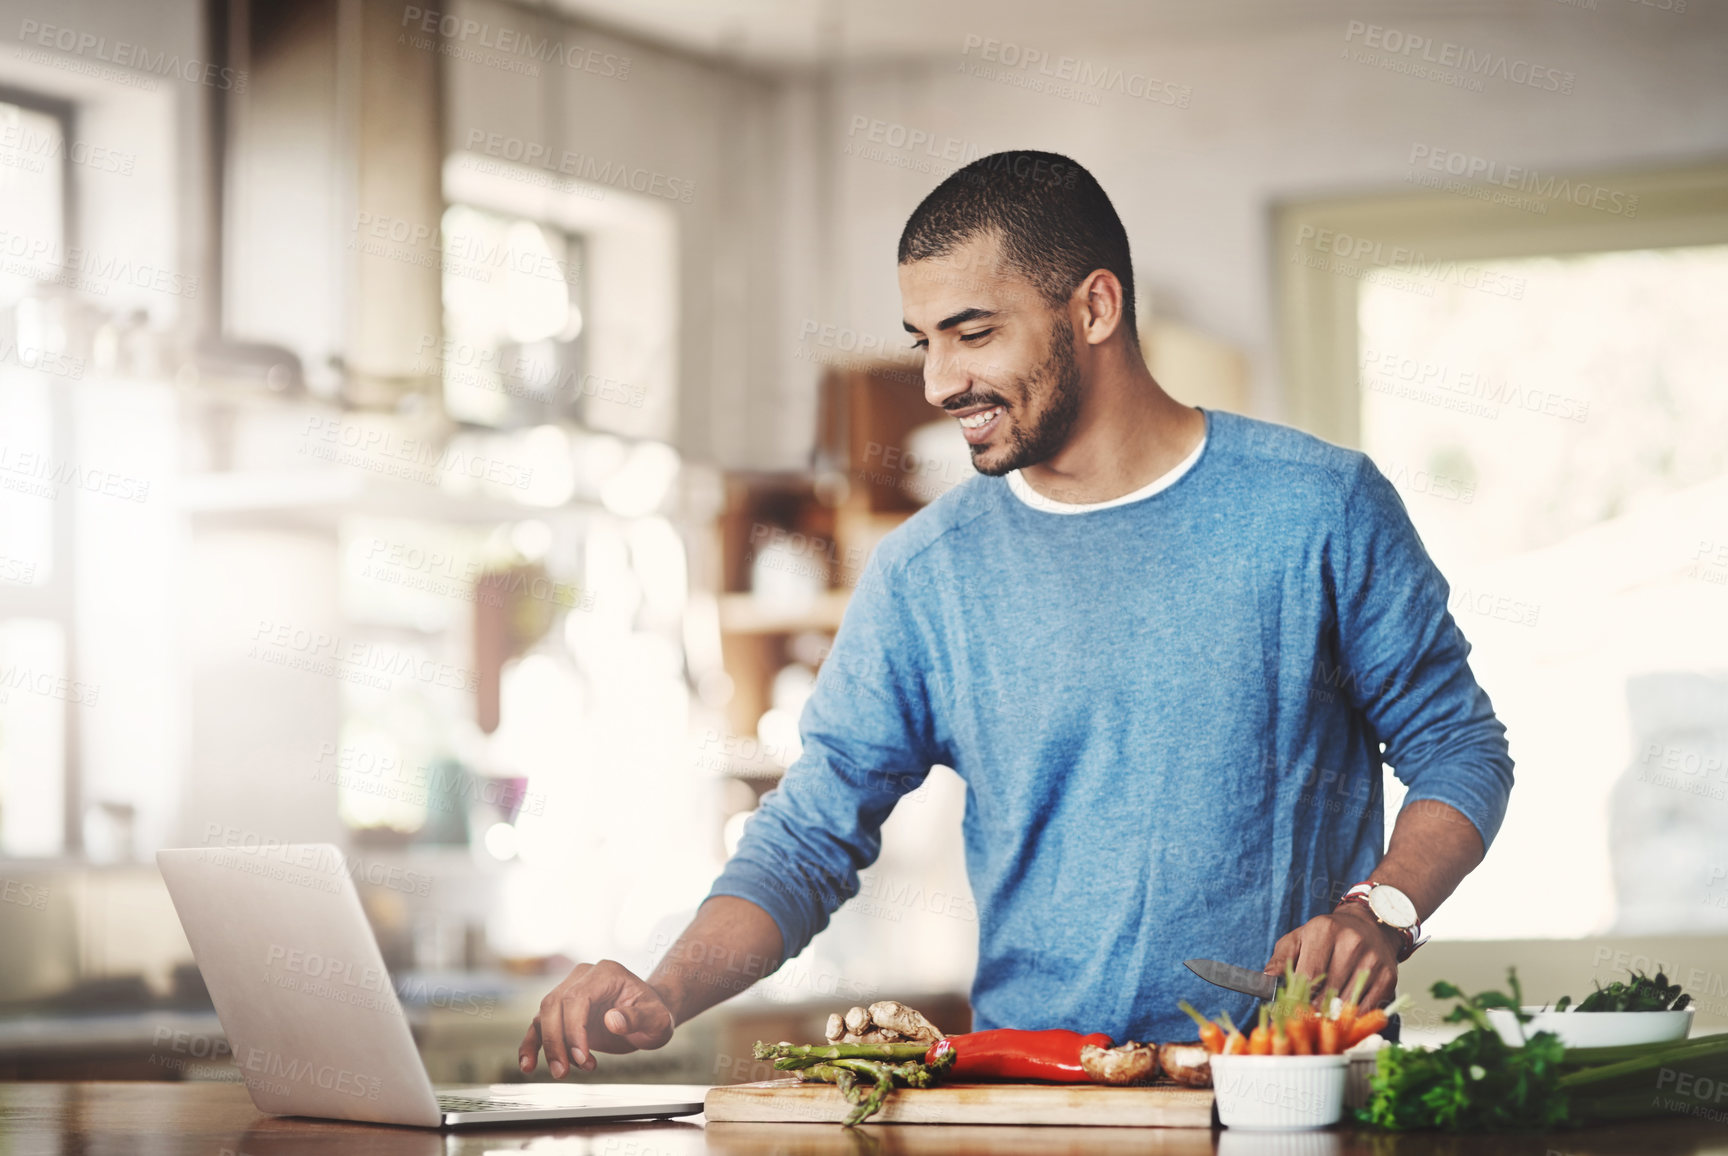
1167	651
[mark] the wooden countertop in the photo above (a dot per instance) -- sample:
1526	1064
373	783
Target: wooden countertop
217	1119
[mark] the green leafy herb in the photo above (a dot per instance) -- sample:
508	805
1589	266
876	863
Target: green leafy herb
1642	994
1477	1083
1474	1083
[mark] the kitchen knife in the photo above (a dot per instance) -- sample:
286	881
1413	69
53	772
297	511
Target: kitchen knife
1255	983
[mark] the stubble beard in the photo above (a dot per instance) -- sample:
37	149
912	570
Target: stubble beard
1027	446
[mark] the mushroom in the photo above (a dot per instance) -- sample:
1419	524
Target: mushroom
1131	1063
1186	1063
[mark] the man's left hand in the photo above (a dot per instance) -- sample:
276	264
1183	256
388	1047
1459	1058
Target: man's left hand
1338	946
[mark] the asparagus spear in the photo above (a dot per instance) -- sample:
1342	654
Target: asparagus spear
821	1053
865	1080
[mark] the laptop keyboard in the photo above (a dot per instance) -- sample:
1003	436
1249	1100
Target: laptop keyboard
470	1104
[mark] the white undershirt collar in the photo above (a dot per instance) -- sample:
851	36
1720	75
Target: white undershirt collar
1023	490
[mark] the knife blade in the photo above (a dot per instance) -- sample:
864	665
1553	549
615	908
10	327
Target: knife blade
1255	983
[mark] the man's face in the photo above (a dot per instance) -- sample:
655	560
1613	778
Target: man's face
998	357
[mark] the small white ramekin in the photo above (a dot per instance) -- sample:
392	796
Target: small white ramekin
1279	1092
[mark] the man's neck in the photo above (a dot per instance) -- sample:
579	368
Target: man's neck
1129	434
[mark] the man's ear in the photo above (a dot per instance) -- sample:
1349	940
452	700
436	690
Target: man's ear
1100	298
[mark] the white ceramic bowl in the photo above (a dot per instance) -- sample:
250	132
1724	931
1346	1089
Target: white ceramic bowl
1278	1092
1361	1069
1578	1029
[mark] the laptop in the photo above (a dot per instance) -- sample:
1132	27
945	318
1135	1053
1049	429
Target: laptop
311	1014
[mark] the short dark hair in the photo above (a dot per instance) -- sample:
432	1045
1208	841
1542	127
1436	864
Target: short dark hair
1055	222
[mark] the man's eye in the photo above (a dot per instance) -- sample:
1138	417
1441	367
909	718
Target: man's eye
976	336
921	343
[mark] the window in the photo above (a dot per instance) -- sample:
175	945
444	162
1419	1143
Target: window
1541	382
512	320
32	199
1562	455
38	696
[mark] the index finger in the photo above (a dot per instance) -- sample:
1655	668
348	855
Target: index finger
576	1030
1315	956
528	1055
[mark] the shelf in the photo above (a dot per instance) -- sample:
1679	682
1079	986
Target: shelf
748	614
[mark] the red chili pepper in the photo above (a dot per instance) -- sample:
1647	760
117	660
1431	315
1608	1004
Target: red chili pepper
1014	1054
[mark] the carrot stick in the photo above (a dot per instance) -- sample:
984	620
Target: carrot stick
1235	1043
1211	1035
1301	1035
1370	1022
1260	1039
1347	1014
1331	1043
1280	1039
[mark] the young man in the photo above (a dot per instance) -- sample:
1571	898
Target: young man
1167	651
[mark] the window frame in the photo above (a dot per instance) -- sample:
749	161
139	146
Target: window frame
55	601
1318	331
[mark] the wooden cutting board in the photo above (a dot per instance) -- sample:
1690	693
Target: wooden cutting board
794	1101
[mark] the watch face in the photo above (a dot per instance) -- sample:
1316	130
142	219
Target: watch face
1392	906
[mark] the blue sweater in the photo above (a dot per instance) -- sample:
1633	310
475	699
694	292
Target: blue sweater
1169	716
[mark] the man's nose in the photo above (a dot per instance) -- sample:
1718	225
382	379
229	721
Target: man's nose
944	377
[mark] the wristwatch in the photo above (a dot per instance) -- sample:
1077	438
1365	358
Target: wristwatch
1391	907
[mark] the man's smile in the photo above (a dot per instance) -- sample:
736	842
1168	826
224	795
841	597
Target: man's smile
976	424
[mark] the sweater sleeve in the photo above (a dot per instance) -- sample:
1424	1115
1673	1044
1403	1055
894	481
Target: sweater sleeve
1406	662
866	734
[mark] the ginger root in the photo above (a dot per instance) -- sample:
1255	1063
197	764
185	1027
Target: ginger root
883	1022
908	1022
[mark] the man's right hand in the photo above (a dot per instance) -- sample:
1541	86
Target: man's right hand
600	1007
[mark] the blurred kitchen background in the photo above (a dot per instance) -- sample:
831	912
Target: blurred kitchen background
452	432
